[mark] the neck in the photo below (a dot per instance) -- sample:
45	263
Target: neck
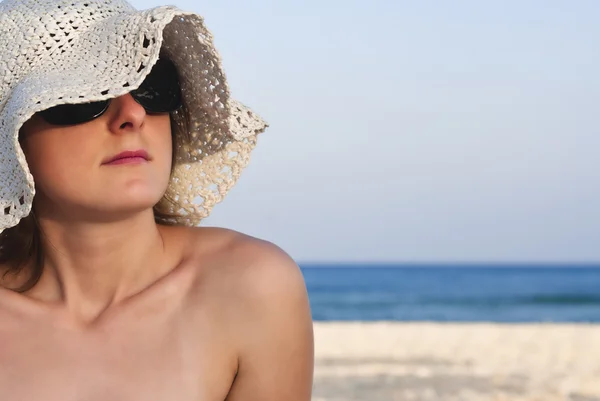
90	266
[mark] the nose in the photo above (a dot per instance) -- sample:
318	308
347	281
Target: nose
127	114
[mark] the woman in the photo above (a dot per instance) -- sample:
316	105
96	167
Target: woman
117	136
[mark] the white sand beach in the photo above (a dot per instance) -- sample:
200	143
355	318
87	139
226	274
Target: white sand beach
458	362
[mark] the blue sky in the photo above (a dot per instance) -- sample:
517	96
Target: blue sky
416	131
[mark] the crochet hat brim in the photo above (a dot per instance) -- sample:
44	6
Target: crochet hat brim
110	57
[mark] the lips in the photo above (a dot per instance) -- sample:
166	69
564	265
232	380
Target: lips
129	156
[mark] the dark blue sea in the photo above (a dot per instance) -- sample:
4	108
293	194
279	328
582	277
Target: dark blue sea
444	293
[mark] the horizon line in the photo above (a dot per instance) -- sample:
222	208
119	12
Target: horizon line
365	263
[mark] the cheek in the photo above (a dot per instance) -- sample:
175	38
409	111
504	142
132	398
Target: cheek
162	143
58	161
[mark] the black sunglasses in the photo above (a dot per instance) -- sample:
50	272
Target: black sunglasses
159	93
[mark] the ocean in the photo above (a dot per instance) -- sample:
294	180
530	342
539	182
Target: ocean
442	293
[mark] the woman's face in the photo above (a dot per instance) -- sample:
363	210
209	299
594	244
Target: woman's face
71	165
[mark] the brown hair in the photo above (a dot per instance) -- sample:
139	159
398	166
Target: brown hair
21	245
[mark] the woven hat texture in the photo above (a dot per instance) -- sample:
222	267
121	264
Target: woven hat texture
76	51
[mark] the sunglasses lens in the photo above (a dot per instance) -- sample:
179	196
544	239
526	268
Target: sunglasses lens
70	114
160	91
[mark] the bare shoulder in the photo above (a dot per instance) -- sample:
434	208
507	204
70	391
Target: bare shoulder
257	269
261	294
251	271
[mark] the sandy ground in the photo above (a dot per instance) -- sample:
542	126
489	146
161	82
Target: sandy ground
443	362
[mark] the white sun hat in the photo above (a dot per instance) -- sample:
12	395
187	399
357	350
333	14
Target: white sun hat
77	51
